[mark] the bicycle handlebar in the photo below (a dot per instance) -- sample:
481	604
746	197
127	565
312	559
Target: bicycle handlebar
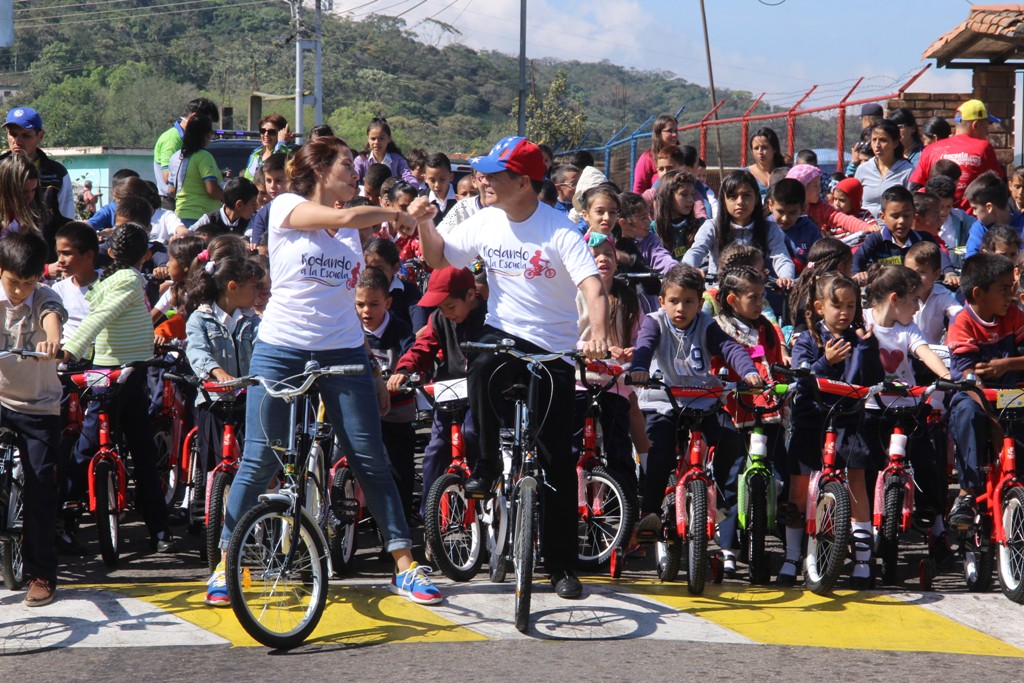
508	347
291	392
23	353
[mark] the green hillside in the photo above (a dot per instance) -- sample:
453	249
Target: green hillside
115	72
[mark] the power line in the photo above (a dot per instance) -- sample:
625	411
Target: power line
410	9
65	7
153	14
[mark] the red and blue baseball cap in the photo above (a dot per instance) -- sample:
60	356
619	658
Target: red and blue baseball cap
28	119
514	154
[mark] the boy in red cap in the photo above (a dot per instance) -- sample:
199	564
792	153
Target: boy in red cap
459	317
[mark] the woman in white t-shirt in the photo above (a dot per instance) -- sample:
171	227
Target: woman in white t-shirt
315	261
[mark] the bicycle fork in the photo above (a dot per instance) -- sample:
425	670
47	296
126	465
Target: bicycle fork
900	471
105	453
757	466
694	471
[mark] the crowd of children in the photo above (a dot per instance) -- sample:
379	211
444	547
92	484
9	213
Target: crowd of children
859	282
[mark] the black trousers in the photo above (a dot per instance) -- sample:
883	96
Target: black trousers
489	375
39	436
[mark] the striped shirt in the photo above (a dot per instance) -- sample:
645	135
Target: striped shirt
118	322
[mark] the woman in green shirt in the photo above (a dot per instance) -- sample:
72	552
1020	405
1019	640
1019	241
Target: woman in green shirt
273	136
193	177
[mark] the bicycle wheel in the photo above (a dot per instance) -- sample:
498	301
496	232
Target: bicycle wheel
219	488
197	496
497	537
167	470
827	546
277	606
669	552
696	535
107	515
757	529
608	519
11	563
523	549
345	504
452	529
1011	552
889	534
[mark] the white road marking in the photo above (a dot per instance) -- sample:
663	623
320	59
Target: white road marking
86	617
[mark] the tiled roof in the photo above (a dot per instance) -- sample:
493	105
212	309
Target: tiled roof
990	32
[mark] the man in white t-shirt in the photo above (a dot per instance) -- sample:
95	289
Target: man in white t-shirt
535	260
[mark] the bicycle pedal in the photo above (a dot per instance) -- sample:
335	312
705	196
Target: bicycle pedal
346	510
647	537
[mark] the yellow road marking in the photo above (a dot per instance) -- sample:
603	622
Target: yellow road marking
355	615
847	620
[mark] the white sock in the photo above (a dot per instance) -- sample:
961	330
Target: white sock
862	548
794	541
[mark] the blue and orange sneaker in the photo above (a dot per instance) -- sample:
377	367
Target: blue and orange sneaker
414	584
217	588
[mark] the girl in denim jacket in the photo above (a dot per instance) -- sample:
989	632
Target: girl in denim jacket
221	331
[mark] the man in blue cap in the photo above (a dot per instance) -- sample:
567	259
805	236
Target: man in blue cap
536	261
24	134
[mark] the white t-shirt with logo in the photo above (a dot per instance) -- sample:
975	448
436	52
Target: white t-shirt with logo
895	344
533	270
313	281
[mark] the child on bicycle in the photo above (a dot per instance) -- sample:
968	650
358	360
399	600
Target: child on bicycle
892	298
834	347
77	248
458	317
30	395
939	306
120	327
679	341
827	255
741	304
983	341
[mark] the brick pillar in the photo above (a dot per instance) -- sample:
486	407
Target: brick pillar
995	86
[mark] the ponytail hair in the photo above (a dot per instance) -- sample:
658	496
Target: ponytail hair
127	244
825	255
825	288
736	280
886	280
382	123
209	278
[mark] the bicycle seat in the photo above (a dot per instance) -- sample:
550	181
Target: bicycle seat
516	392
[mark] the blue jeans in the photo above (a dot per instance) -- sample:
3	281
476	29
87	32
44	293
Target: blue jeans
351	406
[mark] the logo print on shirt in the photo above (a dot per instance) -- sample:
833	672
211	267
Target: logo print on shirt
329	270
351	284
527	260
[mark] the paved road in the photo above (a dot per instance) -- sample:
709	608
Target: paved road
146	618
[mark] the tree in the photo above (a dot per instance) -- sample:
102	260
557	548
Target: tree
558	118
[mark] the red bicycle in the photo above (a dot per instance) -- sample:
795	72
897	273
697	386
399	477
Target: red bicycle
998	530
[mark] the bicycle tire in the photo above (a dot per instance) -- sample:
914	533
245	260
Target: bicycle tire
219	488
497	539
108	522
828	545
696	535
669	552
12	567
889	534
270	605
166	470
609	519
981	581
197	501
1011	551
757	530
456	547
344	538
523	554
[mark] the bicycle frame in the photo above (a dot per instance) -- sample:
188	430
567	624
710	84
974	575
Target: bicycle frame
108	452
591	430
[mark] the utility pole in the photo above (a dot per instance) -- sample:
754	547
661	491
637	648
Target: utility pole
714	99
522	68
311	43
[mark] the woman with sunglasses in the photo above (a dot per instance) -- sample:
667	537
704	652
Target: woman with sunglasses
273	135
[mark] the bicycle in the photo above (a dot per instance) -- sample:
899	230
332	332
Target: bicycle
526	477
894	486
169	422
12	502
757	488
997	536
828	493
692	482
107	474
452	522
607	510
277	561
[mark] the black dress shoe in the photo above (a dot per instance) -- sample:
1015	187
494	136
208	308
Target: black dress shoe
481	481
67	544
567	585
